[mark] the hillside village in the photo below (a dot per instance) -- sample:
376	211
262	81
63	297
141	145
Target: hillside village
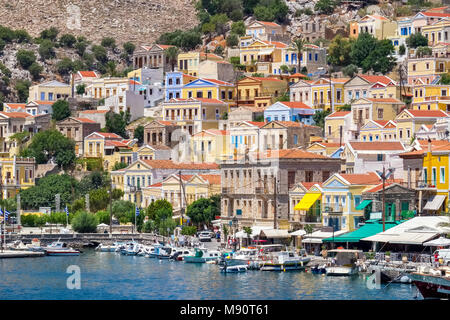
325	118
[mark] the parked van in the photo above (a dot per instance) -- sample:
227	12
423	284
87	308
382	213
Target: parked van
444	254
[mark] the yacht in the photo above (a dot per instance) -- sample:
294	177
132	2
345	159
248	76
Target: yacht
342	262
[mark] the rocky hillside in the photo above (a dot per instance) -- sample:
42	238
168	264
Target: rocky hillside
138	21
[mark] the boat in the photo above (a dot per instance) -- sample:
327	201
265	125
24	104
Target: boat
432	283
131	249
108	248
202	255
179	254
245	256
154	250
342	262
59	248
283	261
319	269
233	269
164	253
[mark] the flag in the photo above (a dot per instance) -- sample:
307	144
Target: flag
137	211
67	211
1	212
7	213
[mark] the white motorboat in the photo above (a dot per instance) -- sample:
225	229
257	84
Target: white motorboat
233	269
59	248
343	262
245	256
202	255
283	261
131	249
108	248
180	253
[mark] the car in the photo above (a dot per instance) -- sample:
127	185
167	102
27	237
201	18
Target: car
204	236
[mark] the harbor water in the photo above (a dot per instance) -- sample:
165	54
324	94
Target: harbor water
112	276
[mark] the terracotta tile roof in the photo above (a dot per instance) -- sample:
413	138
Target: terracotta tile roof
85	120
94	111
166	123
15	105
435	14
298	75
16	114
386	184
211	178
291	154
164	46
290	123
377	145
338	114
115	143
277	44
222	83
256	123
361	178
381	122
88	74
108	135
43	102
295	105
205	100
268	23
378	17
434	143
210	55
309	185
169	164
263	79
386	100
331	144
156	185
427	113
374	79
413	153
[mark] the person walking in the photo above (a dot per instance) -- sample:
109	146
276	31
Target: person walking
436	260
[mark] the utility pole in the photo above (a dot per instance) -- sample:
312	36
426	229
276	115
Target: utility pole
340	136
383	204
181	199
110	206
275	202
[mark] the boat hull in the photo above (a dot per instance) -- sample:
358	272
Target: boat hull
189	259
341	271
234	269
431	287
63	253
282	267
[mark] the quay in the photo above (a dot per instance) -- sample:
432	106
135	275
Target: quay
20	254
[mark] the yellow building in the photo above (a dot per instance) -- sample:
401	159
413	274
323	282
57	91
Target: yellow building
431	97
210	146
260	92
50	91
366	109
209	89
342	193
188	62
378	130
107	87
437	32
336	124
259	55
426	69
324	148
194	114
16	174
378	26
410	121
305	203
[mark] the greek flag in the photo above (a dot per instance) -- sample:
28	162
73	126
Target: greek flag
7	213
67	211
137	211
1	212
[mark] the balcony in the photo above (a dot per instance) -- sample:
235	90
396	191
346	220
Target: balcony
434	98
227	190
425	184
333	208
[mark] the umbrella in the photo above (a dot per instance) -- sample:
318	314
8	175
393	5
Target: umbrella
441	242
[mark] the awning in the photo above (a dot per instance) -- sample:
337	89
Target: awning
298	233
435	203
307	201
275	233
317	236
441	242
363	204
367	230
256	230
265	52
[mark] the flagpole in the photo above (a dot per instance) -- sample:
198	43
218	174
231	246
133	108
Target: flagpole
135	211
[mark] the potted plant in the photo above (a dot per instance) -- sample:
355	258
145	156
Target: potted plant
387	256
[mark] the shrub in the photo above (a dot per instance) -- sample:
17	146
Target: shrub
61	110
119	165
100	53
189	230
35	70
67	40
25	58
129	47
50	34
65	66
84	222
108	42
46	49
22	36
232	40
81	88
29	220
22	87
80	47
102	216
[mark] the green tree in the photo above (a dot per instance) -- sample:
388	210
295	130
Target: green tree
220	22
299	45
189	230
102	216
92	181
119	165
129	47
423	51
25	58
50	34
319	117
20	138
339	51
51	144
203	210
172	55
325	6
350	70
123	210
67	40
232	41
166	226
35	70
139	133
81	47
402	50
81	89
22	36
43	193
61	110
218	50
98	199
158	209
372	54
238	28
416	40
108	42
263	13
46	49
22	87
64	66
116	123
100	53
84	222
248	231
445	78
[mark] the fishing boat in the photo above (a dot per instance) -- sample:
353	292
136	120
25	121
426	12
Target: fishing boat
164	253
342	262
202	255
245	256
179	254
108	248
131	249
283	261
432	283
59	248
319	269
154	250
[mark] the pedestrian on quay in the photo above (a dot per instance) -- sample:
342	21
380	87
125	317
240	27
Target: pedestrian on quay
436	260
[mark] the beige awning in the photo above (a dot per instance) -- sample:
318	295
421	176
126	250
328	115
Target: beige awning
275	234
265	52
435	203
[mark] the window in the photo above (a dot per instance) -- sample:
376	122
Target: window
442	175
379	157
433	176
295	139
380	113
357	200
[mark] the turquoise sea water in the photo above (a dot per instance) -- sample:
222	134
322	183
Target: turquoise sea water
113	276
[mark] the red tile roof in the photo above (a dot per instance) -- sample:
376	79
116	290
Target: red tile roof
94	111
381	122
435	14
386	100
211	178
374	79
264	79
268	23
276	43
338	114
291	154
222	83
15	105
361	178
256	123
377	145
16	114
427	113
295	105
298	75
169	164
85	120
108	135
88	74
205	100
386	184
116	143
